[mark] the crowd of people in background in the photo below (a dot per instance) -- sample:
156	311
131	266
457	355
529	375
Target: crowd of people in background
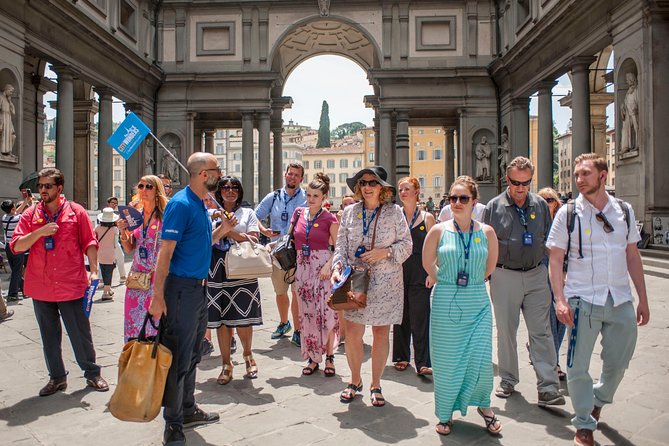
438	275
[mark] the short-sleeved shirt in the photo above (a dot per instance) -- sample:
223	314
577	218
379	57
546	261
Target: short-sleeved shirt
501	213
186	221
246	222
9	223
106	236
319	234
603	268
477	213
278	203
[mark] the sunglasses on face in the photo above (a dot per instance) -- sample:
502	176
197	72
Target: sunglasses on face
549	200
520	183
230	188
372	183
46	186
464	199
607	226
167	186
141	186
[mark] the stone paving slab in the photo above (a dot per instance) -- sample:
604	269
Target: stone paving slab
284	407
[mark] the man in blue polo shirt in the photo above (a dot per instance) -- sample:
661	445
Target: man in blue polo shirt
179	289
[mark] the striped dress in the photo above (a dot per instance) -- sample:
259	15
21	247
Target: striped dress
461	328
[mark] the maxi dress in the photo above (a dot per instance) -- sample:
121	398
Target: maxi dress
137	301
461	328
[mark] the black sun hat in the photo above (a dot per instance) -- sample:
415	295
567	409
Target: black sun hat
378	171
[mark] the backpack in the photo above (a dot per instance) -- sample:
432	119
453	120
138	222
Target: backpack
571	222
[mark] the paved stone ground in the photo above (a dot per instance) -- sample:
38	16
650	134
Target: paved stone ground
283	407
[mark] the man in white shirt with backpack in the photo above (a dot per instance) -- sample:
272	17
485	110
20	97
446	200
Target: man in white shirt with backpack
599	237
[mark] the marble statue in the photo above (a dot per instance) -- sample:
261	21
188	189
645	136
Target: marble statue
324	7
7	110
483	153
170	166
504	155
148	160
629	112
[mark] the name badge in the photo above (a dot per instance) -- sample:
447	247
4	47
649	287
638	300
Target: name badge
284	216
360	251
306	250
225	245
143	253
528	238
463	279
49	243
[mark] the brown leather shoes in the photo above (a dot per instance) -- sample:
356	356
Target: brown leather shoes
584	437
98	383
596	412
53	386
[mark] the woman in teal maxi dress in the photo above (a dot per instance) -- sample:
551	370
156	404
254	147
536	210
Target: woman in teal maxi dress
458	255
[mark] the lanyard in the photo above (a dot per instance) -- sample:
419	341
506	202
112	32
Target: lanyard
522	216
365	223
286	201
310	223
413	219
462	238
145	228
55	216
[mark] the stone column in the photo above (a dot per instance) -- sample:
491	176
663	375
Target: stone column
105	151
84	147
277	159
209	140
384	156
247	153
65	128
264	155
580	109
449	157
134	166
193	140
520	127
598	104
377	137
545	134
402	146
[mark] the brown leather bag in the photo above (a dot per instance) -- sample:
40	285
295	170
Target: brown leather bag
352	294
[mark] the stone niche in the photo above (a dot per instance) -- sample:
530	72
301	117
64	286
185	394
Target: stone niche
168	166
628	106
484	156
10	117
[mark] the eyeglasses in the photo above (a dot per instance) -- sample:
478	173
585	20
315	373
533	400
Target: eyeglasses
167	186
607	226
230	189
46	186
464	199
520	183
216	169
372	183
141	186
550	200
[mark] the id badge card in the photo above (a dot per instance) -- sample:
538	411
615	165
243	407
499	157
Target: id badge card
360	251
306	250
49	243
143	253
528	238
463	279
284	216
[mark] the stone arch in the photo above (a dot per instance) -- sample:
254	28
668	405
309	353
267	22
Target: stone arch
477	138
625	67
168	166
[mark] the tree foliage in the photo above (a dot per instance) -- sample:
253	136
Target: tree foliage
324	126
350	128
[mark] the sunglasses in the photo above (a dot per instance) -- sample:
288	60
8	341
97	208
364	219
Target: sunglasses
520	183
549	200
216	169
464	199
607	226
372	183
141	186
46	186
167	186
230	188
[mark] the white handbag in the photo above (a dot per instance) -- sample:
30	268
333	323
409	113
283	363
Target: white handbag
247	260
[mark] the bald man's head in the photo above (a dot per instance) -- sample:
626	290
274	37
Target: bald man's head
198	161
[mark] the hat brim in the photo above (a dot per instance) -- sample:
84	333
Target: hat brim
351	182
103	220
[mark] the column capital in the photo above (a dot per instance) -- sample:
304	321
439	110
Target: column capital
402	114
546	86
105	93
521	102
65	71
581	63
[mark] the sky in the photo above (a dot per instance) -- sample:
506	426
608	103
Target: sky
343	84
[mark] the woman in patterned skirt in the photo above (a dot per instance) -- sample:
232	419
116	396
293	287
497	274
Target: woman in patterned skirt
458	255
144	242
315	230
233	303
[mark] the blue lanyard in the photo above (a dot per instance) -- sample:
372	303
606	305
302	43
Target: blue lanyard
522	216
413	219
145	228
285	202
365	223
310	223
55	216
462	238
572	340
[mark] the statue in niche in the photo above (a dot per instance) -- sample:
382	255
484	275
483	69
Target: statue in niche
504	155
324	7
483	153
148	160
170	166
7	110
630	116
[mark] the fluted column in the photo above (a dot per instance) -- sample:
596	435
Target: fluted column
545	135
402	145
449	157
209	140
65	128
247	152
105	151
264	155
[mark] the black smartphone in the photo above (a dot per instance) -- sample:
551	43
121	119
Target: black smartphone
29	193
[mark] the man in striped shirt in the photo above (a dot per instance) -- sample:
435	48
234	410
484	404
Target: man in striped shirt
16	261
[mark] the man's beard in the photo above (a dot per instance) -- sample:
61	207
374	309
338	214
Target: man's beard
291	186
211	184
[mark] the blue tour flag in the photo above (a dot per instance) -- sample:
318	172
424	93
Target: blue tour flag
88	296
128	136
132	216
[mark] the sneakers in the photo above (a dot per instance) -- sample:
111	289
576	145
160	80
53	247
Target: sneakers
504	390
200	417
282	330
584	437
53	386
551	398
7	315
296	339
174	436
207	347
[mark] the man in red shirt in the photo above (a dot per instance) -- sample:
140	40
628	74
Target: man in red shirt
58	233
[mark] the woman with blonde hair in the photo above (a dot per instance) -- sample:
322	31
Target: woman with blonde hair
144	243
373	233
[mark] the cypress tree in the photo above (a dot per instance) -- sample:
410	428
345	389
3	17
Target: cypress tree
324	127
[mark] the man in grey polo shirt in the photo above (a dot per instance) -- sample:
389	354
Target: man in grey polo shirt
522	222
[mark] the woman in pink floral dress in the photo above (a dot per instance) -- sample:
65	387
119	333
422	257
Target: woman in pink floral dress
144	242
315	231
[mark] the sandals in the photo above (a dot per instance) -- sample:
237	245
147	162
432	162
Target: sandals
490	422
376	397
226	375
329	371
308	371
444	428
349	393
401	366
251	367
424	371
